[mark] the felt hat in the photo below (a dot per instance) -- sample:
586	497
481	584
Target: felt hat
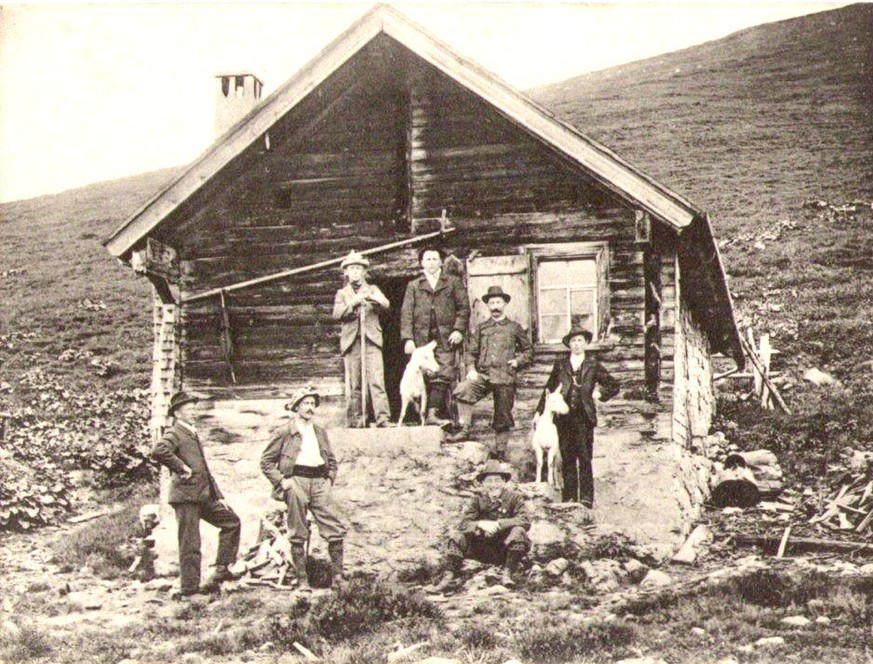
575	331
496	291
355	258
300	395
495	467
180	399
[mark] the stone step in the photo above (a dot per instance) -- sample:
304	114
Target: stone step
391	441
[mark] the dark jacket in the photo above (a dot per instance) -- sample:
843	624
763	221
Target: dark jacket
179	446
494	344
591	373
448	303
509	510
277	460
351	318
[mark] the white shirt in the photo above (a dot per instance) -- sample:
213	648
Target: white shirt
310	453
190	427
432	280
576	361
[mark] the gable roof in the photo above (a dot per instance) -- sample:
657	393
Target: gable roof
604	165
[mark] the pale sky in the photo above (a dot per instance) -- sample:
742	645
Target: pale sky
95	92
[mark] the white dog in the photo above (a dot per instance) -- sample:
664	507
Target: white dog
544	439
412	384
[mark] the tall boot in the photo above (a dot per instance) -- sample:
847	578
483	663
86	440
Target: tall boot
298	557
465	417
512	566
335	551
501	439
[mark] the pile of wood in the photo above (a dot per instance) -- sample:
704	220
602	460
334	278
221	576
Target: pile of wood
851	508
268	562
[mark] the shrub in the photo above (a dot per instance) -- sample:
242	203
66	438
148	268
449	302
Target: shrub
31	496
107	544
553	641
28	642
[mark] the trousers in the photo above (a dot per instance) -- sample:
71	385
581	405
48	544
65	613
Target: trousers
375	382
188	517
487	549
576	440
313	494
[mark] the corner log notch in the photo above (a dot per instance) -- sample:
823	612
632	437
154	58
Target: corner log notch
159	263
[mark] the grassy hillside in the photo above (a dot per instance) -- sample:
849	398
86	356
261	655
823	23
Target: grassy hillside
750	127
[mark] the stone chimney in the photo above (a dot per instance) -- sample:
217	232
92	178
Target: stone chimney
235	96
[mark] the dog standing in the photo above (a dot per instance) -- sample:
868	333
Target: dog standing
544	439
412	385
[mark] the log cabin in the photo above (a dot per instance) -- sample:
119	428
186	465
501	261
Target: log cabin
388	140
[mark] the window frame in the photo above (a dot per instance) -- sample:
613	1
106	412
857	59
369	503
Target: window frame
592	251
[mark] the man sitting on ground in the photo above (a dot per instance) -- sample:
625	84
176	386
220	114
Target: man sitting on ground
494	527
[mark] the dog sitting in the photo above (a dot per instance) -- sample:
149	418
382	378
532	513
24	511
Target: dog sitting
412	385
544	439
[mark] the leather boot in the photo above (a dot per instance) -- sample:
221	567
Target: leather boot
335	551
433	419
465	417
298	556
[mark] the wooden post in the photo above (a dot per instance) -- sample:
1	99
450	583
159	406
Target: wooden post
364	389
764	352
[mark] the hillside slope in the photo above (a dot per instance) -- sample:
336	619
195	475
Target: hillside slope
749	127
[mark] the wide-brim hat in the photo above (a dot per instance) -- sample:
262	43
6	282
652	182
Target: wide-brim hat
495	467
300	395
496	291
575	331
180	399
355	258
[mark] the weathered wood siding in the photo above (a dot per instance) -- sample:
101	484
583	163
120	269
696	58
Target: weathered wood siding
384	143
693	390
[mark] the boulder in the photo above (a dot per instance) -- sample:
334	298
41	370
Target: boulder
636	571
656	579
769	642
557	567
818	377
795	621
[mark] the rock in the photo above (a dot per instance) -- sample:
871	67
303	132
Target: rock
727	660
656	579
557	567
636	571
9	631
438	660
796	621
822	620
818	377
769	642
604	575
512	661
696	541
641	660
84	600
161	585
191	658
699	632
543	534
129	661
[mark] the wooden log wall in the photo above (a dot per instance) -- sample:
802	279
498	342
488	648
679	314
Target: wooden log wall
693	390
166	363
377	155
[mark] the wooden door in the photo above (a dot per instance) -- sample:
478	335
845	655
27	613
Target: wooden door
512	274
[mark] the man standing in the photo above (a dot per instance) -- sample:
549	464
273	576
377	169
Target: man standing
582	379
494	527
498	350
435	308
358	305
194	495
302	468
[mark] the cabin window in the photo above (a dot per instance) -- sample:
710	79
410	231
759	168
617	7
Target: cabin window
570	288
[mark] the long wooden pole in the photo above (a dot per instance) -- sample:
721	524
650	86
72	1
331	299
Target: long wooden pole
317	266
363	366
773	391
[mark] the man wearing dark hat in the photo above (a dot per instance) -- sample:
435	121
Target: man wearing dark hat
195	495
302	468
498	350
359	304
578	375
435	308
494	526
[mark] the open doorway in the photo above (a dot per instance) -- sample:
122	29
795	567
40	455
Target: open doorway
393	357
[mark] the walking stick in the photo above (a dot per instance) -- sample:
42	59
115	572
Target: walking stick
364	386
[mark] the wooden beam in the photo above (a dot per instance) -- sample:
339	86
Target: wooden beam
801	544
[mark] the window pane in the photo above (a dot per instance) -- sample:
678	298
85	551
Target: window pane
553	301
582	302
552	273
581	272
552	328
